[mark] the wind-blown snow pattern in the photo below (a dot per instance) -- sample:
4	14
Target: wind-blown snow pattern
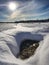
11	36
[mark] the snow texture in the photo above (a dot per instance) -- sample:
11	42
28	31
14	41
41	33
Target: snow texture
11	38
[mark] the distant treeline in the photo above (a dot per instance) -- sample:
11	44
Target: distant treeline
28	21
32	21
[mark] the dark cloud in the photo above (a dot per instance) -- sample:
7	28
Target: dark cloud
39	1
23	0
43	1
4	1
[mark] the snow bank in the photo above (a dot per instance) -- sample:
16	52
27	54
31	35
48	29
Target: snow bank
41	56
10	41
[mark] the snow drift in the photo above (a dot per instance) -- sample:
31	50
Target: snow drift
10	40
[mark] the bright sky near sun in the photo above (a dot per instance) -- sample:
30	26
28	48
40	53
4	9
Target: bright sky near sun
12	6
13	10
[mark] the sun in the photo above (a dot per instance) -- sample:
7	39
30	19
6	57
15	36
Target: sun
12	6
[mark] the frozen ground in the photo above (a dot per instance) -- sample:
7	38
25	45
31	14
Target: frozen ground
11	36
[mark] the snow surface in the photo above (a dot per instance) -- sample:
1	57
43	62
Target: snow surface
11	37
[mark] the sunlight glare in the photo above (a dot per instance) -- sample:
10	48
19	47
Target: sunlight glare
12	6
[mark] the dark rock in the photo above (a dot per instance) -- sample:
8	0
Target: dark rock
28	48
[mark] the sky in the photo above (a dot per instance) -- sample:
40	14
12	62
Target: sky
25	10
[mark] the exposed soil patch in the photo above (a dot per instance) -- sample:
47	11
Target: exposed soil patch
28	48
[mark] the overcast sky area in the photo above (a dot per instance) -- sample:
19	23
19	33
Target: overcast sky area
26	10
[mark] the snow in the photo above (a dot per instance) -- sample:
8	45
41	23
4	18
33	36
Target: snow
12	36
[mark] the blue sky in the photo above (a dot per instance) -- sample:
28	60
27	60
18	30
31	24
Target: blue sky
26	10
